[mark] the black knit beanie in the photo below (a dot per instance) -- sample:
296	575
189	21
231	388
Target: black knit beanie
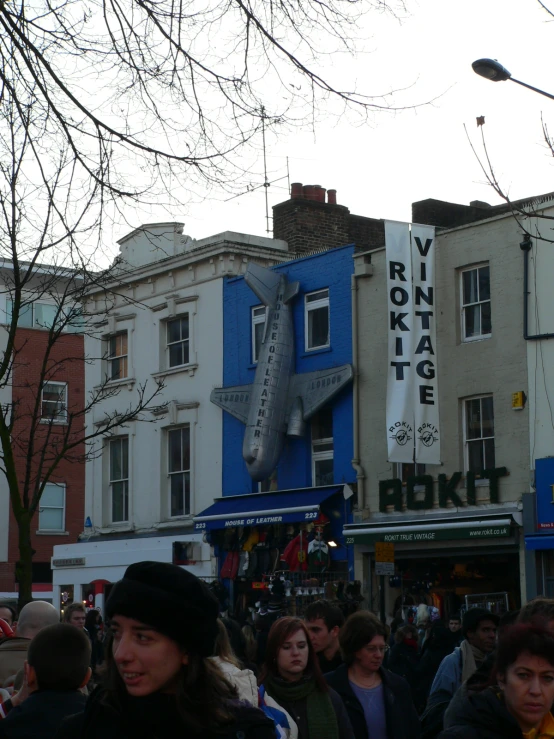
171	600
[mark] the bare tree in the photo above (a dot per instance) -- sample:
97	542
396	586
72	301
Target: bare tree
44	212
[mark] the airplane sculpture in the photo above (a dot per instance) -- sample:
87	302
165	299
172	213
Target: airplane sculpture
279	402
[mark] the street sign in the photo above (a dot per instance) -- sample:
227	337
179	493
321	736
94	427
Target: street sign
384	568
384	552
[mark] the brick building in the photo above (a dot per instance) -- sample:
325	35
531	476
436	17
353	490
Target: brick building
60	515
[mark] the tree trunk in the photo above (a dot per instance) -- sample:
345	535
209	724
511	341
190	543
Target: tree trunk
24	566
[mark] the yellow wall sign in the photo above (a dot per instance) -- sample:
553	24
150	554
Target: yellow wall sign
518	400
384	551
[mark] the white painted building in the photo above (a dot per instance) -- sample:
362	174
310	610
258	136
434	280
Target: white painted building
165	324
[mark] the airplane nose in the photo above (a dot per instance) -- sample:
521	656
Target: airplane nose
251	456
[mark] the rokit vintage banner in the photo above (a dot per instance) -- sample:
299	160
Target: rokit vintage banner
412	390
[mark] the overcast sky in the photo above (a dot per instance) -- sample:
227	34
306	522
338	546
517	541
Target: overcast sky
379	169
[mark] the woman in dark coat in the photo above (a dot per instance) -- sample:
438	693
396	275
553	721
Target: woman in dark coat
518	702
291	682
158	680
378	702
440	643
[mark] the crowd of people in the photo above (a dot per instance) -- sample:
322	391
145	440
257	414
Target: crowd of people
169	665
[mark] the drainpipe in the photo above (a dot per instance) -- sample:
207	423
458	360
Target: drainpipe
360	474
525	247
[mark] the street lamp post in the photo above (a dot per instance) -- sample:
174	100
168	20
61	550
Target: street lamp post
492	70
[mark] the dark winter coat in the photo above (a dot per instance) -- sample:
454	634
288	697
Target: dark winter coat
404	661
101	721
400	715
41	714
482	715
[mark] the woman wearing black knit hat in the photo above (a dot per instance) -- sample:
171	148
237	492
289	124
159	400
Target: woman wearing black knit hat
158	681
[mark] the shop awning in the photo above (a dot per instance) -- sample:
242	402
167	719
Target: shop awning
421	532
285	506
539	541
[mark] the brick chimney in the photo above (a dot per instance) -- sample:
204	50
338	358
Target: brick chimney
308	221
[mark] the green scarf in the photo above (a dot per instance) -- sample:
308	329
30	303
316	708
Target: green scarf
322	720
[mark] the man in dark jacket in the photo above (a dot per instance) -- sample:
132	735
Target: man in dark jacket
57	666
324	621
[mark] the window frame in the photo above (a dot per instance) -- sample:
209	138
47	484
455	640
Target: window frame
482	438
186	341
59	419
398	472
112	358
173	473
323	455
310	307
256	320
57	508
114	481
481	336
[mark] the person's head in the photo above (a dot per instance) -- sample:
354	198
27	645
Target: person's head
407	633
290	654
362	641
236	639
479	628
76	615
8	614
223	648
36	616
538	608
422	615
455	623
58	658
91	620
323	621
524	672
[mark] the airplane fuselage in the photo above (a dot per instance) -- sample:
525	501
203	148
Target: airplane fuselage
266	425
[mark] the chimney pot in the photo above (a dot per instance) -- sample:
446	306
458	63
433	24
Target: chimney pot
332	197
309	192
296	190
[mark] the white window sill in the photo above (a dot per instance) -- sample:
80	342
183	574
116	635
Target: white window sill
116	528
106	387
42	532
173	522
190	368
473	339
52	422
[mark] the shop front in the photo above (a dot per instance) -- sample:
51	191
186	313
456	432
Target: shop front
277	552
539	540
450	561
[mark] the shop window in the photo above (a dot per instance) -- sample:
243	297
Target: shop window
403	470
258	326
54	402
322	448
51	515
119	478
479	433
178	444
178	341
117	356
476	303
316	319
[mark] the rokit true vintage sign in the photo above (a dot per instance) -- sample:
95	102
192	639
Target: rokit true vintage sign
412	392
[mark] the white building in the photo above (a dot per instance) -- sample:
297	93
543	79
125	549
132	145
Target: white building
145	484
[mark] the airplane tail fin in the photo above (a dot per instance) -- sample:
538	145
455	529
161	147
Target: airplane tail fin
291	291
263	282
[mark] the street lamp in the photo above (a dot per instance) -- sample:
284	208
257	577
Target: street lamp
492	70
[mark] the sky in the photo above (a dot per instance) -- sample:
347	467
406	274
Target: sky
380	168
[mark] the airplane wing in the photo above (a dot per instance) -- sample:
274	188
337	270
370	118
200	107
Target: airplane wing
317	388
235	400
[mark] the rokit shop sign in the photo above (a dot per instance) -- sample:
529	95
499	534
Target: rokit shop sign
391	494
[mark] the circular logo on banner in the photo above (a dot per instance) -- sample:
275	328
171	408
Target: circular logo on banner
428	434
401	433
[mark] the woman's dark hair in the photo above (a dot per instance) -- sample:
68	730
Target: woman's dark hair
202	695
236	639
360	628
91	621
409	630
532	637
282	630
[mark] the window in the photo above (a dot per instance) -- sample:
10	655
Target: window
317	320
476	303
117	356
43	315
258	326
51	512
179	471
178	341
119	478
403	470
322	448
54	402
479	434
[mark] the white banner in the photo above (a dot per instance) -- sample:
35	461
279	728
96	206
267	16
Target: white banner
400	382
426	398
